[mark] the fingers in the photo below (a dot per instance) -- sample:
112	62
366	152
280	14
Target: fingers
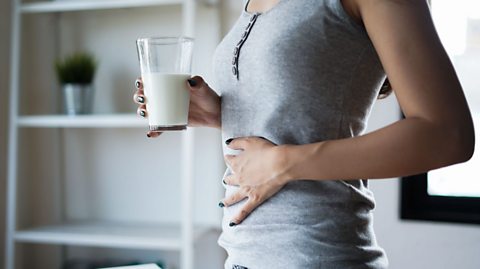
198	85
231	180
252	202
245	142
139	98
138	86
238	143
247	208
238	196
142	111
229	159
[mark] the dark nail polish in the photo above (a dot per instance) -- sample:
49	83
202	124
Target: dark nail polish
192	82
138	84
232	224
142	113
221	204
228	141
140	99
148	135
224	181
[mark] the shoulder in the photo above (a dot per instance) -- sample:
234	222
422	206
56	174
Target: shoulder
356	8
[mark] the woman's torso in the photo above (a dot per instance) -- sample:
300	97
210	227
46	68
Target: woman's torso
306	73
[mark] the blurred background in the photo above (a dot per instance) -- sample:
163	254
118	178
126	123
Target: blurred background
99	195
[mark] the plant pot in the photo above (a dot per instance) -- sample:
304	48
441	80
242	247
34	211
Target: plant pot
77	98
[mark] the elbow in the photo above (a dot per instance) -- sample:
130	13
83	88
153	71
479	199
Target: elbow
462	143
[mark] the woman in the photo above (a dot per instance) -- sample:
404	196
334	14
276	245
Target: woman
297	80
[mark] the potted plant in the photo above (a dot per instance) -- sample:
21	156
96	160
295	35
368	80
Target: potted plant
75	74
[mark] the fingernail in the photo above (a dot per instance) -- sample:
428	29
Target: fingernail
142	113
148	135
138	84
192	82
228	141
221	204
140	99
224	182
232	224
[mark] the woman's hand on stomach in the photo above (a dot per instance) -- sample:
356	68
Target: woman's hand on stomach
204	108
259	171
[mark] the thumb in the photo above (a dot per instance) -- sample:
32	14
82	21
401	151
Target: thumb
198	85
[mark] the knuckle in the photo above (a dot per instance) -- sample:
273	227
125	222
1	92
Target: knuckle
254	197
241	179
247	189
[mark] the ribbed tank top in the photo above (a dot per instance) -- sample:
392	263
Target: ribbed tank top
302	72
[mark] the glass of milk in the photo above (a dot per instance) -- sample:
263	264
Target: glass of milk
165	64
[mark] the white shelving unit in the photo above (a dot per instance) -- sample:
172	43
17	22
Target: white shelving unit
82	121
99	234
108	234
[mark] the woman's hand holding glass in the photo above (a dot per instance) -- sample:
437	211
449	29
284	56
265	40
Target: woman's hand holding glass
204	108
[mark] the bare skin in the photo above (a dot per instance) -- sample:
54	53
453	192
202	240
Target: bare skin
437	130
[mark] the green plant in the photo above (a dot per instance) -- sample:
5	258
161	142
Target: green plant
78	68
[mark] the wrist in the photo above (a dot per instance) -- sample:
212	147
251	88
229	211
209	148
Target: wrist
287	163
298	160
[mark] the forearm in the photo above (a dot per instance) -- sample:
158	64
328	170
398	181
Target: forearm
406	147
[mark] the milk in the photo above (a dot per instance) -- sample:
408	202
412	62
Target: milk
167	99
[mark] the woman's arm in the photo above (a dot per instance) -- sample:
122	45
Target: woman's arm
437	130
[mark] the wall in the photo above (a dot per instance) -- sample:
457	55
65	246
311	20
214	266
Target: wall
4	73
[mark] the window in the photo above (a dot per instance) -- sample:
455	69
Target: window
452	193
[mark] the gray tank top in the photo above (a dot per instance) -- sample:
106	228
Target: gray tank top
300	73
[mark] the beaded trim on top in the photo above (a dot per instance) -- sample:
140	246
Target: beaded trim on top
236	50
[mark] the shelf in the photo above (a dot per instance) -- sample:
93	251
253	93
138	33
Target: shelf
107	234
78	5
83	121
